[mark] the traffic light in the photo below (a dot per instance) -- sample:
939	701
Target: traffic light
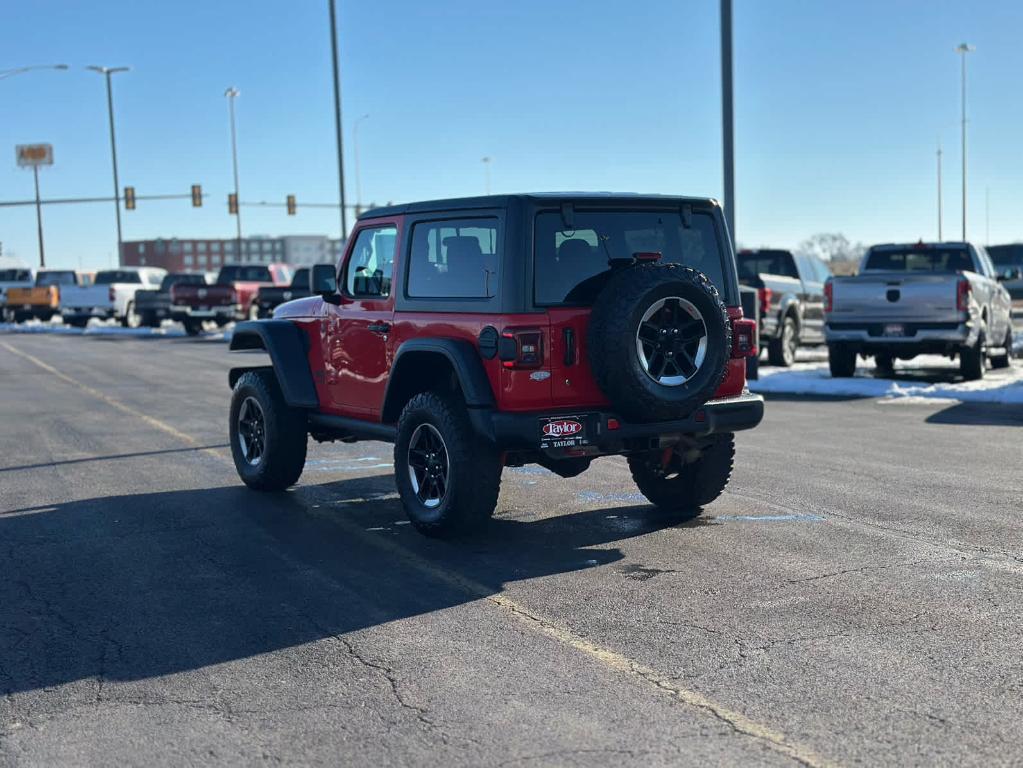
129	198
232	203
197	196
291	205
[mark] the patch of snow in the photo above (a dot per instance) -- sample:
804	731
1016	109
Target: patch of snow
928	377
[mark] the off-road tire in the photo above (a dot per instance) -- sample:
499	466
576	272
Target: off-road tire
689	482
972	360
612	347
285	434
1004	360
884	365
782	350
841	361
473	478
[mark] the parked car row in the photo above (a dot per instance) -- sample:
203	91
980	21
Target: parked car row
146	296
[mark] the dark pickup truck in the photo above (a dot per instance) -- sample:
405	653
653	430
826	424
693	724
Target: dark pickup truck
791	290
153	307
1008	261
306	282
232	297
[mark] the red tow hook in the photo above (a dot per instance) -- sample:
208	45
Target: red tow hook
666	456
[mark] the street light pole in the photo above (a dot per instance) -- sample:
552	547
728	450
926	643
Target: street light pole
358	179
939	192
964	49
107	72
486	173
231	94
39	219
727	117
337	120
21	70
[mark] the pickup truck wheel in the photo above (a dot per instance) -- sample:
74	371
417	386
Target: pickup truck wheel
253	312
841	361
192	327
885	364
972	359
782	350
77	322
659	341
268	438
131	318
688	480
448	477
1004	360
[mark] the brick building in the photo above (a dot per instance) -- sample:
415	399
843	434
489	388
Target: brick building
201	255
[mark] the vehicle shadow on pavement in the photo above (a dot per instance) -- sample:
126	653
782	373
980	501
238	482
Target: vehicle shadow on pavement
979	415
132	587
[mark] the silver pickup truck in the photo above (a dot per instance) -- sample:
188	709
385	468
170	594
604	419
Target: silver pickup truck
923	298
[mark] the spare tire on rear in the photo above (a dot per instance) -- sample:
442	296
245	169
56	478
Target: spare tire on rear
659	341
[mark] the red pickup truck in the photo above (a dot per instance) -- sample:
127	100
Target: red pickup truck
232	297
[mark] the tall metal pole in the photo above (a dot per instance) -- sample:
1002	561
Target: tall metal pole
232	94
727	118
964	49
486	174
358	176
939	193
987	215
107	72
337	120
39	219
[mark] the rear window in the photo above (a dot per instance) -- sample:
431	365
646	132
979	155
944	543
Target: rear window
572	265
755	263
183	279
1006	255
117	276
56	278
919	260
15	275
244	274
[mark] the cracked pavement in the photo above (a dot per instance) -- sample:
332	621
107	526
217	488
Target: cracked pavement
855	597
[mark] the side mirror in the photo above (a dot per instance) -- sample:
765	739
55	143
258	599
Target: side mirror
328	290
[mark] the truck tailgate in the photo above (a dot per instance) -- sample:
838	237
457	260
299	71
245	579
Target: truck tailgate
895	296
76	297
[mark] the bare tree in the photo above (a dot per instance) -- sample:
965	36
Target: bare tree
835	248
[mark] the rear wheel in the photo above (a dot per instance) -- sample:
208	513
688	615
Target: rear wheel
253	312
268	438
192	327
131	318
841	361
782	351
972	359
684	481
447	476
1004	360
77	322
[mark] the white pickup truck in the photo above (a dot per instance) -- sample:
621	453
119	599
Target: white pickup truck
111	296
923	298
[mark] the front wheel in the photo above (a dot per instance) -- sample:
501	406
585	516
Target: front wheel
253	312
447	476
782	351
684	481
268	438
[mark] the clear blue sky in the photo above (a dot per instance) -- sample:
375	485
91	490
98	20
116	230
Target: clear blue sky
839	107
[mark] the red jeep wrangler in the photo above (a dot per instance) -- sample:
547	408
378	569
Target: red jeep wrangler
498	331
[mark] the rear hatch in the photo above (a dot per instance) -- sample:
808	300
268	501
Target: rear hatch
571	267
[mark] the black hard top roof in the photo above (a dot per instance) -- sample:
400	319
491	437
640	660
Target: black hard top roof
549	198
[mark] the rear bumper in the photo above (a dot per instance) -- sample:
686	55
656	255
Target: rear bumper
919	337
521	431
227	312
72	313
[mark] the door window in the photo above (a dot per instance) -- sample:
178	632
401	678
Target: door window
454	259
371	264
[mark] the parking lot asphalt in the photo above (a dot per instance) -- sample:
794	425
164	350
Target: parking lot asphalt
855	596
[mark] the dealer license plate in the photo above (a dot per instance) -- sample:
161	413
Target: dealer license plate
894	329
565	431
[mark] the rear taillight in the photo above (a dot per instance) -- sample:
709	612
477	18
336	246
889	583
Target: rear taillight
521	348
111	293
829	296
963	295
744	338
765	300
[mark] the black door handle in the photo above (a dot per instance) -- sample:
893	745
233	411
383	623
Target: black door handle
379	327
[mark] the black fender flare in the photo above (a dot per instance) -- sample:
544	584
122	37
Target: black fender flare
288	348
464	359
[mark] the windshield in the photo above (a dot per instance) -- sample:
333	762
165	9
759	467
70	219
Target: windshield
15	275
253	274
572	265
56	278
752	264
913	259
117	276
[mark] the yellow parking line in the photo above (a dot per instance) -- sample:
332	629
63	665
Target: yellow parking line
117	404
771	738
